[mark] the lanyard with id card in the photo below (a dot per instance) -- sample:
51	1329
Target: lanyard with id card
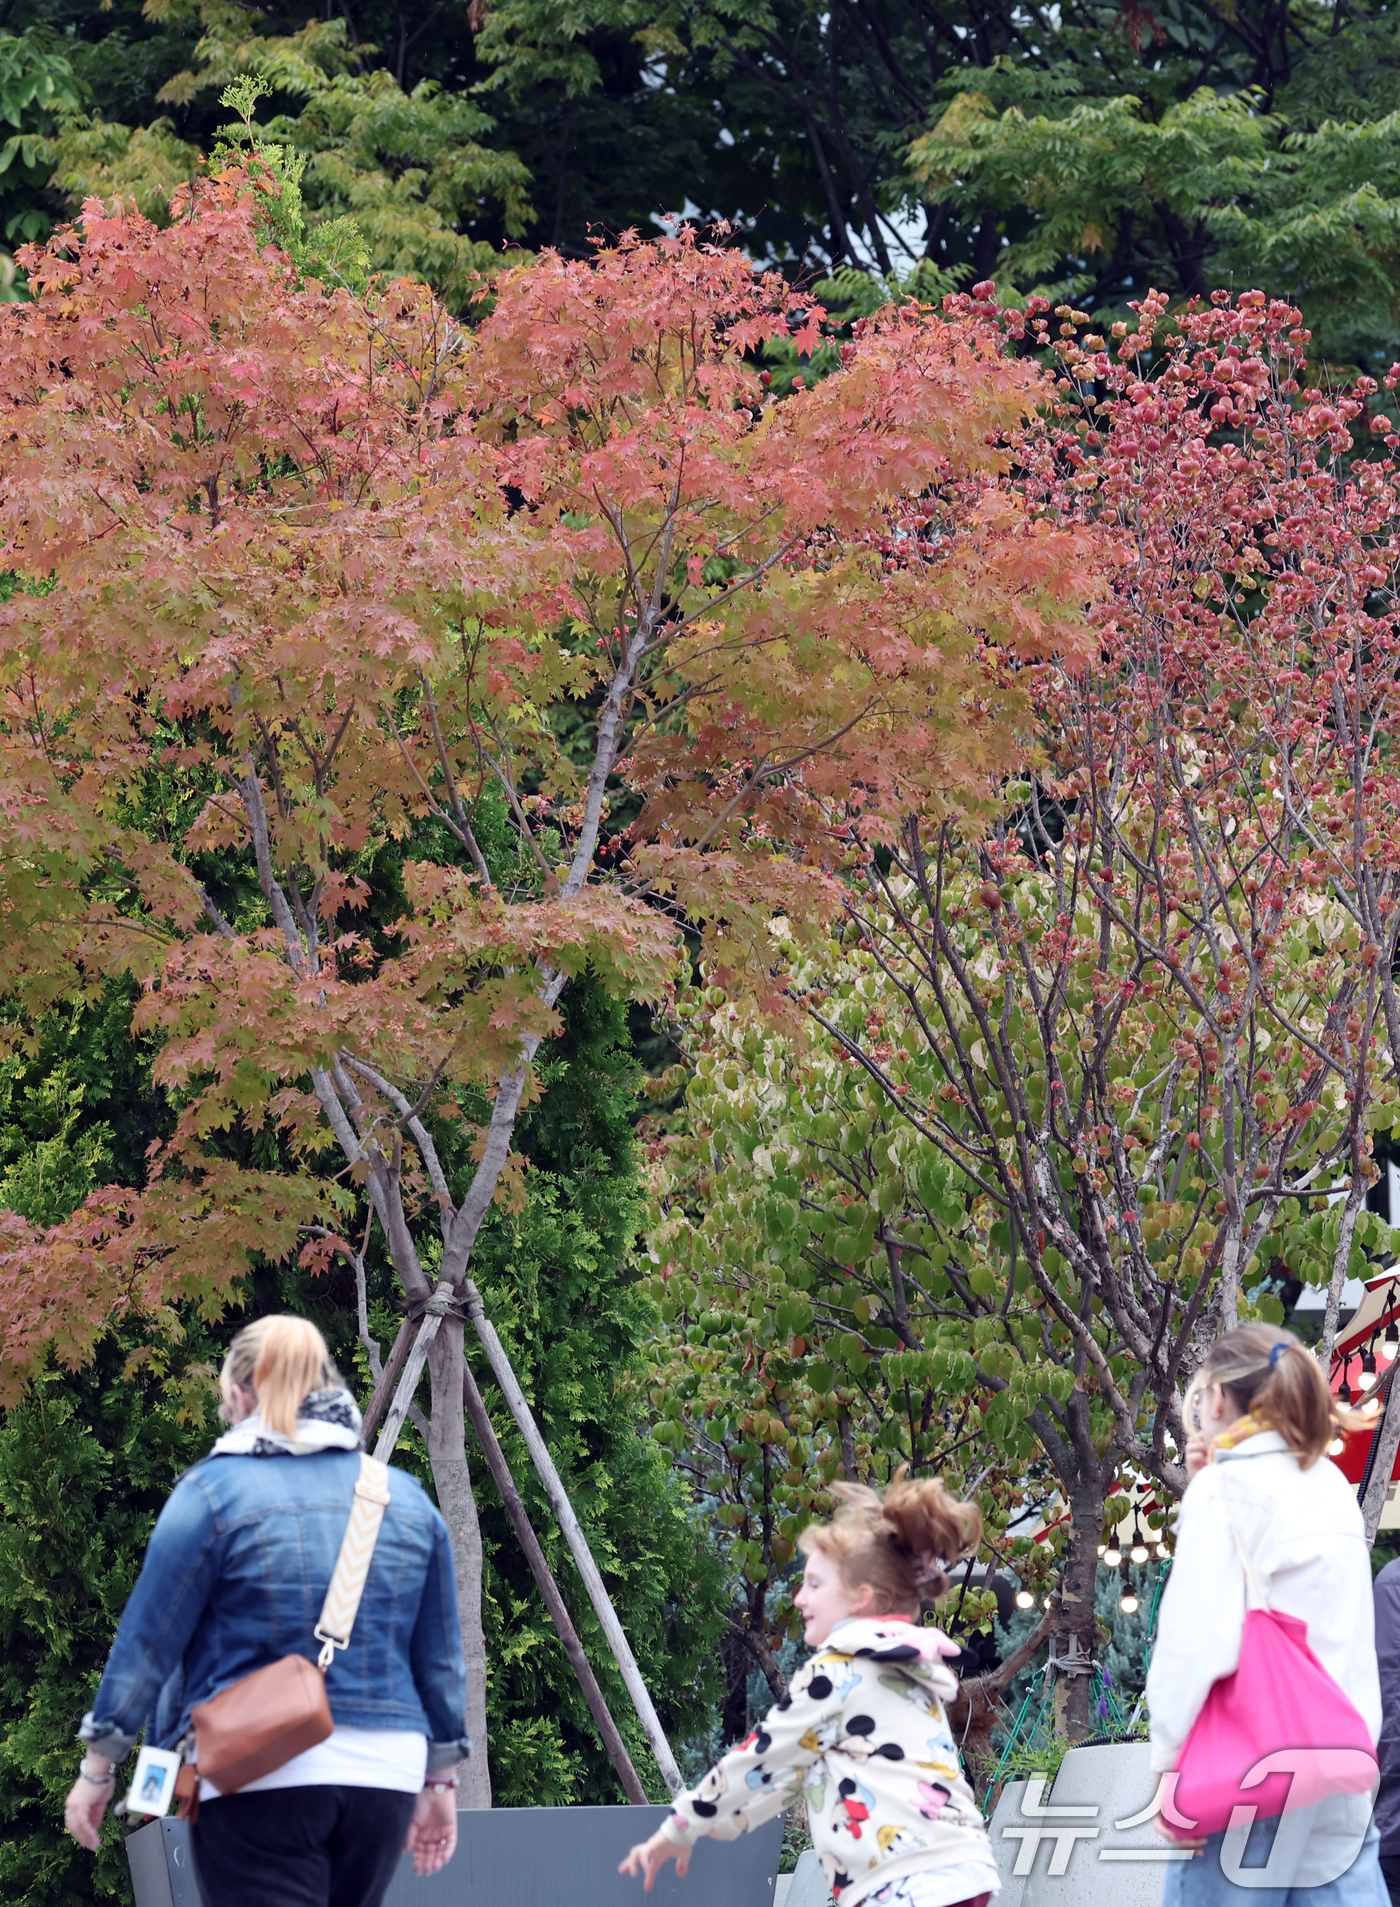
153	1784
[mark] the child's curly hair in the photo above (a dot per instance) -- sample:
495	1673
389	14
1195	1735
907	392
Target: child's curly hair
901	1542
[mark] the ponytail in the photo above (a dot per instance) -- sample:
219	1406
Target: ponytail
900	1543
280	1360
1273	1376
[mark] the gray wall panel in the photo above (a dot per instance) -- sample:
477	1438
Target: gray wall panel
519	1857
162	1874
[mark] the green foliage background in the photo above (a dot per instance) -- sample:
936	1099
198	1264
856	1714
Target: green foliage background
85	1465
1086	150
87	1459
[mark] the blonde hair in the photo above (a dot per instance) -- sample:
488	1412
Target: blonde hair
900	1543
279	1361
1272	1375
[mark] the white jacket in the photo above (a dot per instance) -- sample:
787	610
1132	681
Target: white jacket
1304	1530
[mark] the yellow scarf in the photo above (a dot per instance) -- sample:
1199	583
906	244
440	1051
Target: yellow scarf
1247	1426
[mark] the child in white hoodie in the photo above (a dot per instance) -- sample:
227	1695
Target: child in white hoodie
861	1734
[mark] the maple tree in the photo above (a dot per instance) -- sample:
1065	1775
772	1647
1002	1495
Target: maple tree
305	573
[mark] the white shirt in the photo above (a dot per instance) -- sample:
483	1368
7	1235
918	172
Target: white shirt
1304	1531
939	1886
392	1758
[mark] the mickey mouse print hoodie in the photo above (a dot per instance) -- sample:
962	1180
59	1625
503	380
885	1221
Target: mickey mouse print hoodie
862	1735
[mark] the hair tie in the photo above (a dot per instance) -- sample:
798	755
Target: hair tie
1276	1353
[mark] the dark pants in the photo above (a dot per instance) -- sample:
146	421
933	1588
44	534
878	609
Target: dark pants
300	1847
1390	1869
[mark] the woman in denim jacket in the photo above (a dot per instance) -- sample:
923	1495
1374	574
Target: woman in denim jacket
234	1578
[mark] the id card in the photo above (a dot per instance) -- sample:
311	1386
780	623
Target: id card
153	1785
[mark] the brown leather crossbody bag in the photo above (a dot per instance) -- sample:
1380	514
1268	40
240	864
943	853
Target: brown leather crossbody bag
259	1723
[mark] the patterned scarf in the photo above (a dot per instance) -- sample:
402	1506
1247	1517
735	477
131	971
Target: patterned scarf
327	1420
1250	1425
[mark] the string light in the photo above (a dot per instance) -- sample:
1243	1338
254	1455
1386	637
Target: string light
1336	1447
1138	1552
1163	1551
1024	1599
1392	1332
1128	1604
1112	1557
1345	1387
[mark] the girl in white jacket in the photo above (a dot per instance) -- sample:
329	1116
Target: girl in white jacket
1263	1420
862	1734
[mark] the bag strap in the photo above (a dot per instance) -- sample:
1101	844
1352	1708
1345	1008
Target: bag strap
347	1583
1255	1594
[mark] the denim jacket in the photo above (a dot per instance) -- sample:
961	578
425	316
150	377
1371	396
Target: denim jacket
234	1578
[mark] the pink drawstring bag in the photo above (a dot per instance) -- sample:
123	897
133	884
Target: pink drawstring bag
1276	1735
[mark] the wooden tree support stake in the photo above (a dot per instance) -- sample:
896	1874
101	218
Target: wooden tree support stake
549	1589
442	1304
389	1376
1380	1462
575	1538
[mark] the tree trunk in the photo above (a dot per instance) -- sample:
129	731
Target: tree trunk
1346	1231
734	1662
447	1452
1077	1630
977	1707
